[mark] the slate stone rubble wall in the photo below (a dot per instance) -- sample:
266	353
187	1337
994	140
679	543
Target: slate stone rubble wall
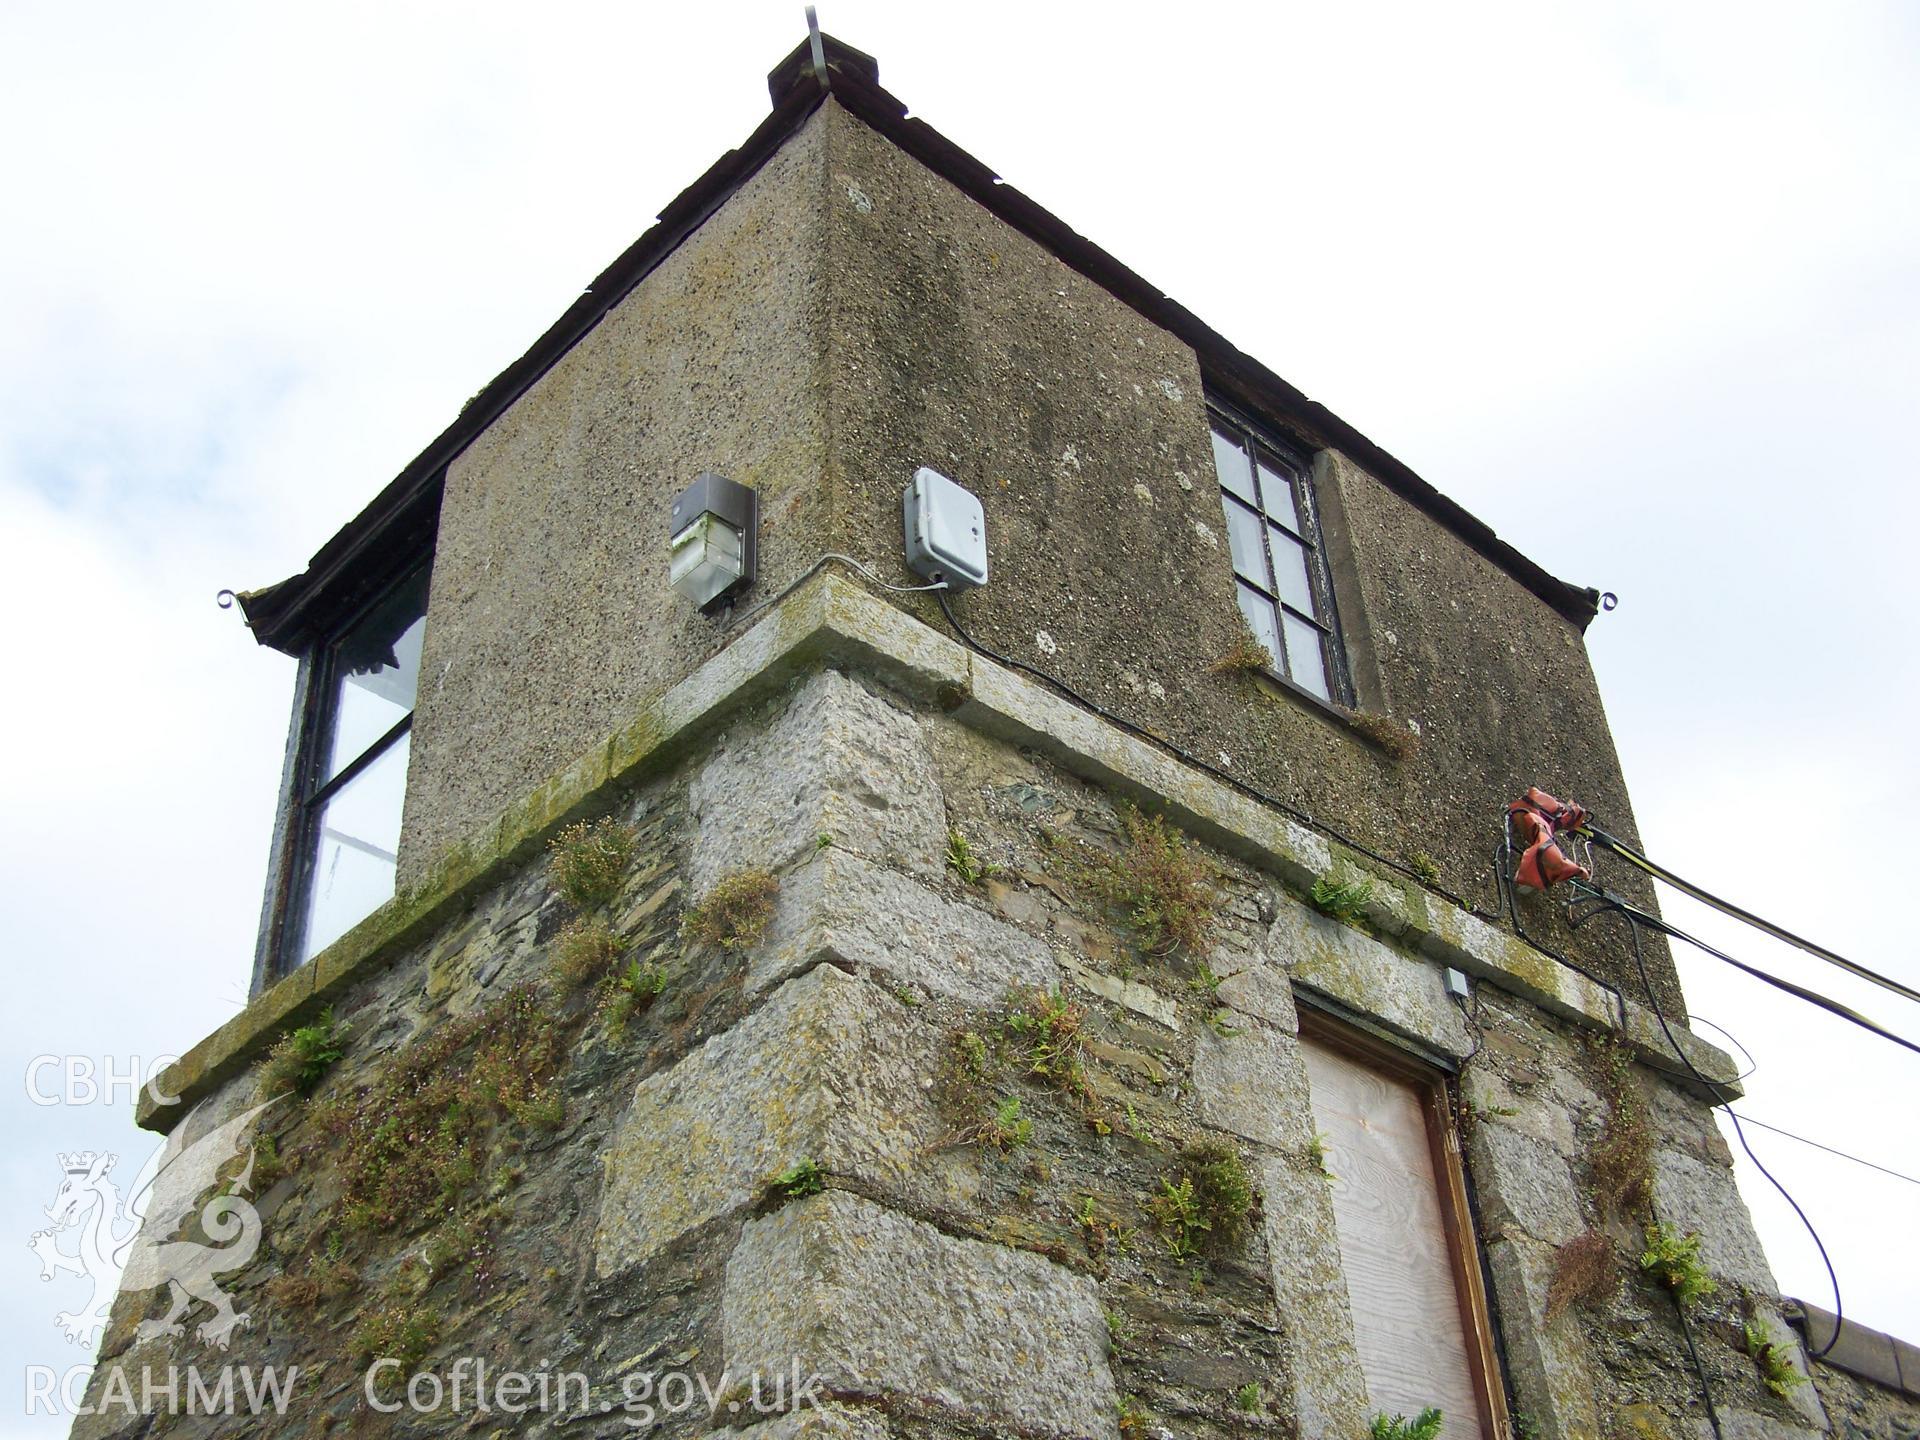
942	1287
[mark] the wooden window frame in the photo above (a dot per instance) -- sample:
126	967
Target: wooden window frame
304	791
1281	453
1436	1087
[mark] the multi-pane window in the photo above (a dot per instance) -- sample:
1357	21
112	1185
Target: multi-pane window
1279	571
355	777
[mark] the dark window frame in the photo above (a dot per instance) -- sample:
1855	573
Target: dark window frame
1295	460
305	788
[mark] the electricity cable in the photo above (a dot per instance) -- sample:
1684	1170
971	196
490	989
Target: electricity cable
1812	997
1693	1354
814	569
1694	1022
1842	1154
1686	887
1634	920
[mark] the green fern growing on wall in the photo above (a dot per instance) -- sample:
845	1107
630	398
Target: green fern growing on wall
1674	1260
1424	1426
1346	903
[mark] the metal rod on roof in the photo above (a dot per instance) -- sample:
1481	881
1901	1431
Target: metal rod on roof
819	50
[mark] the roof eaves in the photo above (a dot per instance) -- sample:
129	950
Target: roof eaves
288	615
1225	365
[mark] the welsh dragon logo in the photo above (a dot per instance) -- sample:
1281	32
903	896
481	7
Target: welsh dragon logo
130	1243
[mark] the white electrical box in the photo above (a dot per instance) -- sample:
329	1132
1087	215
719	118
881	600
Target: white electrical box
946	531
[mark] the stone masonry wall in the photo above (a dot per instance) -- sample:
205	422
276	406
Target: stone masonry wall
915	1137
1869	1382
1863	1410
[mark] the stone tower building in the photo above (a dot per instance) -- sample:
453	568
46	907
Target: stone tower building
1076	1005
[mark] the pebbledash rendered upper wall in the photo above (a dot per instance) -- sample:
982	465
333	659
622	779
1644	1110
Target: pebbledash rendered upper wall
849	315
550	616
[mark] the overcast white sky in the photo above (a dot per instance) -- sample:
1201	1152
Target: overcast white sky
1639	284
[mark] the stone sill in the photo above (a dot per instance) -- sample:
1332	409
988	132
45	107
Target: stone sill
830	621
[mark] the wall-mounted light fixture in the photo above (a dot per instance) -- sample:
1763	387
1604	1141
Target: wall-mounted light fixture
714	549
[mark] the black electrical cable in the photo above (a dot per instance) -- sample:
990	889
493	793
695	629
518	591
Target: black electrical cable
1632	915
1640	964
1693	1354
1812	997
1474	1029
1187	757
1695	1021
1660	872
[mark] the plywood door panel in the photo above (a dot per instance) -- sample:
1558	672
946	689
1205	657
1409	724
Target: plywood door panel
1394	1248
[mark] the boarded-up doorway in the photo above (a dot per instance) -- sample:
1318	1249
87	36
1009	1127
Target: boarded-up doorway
1406	1242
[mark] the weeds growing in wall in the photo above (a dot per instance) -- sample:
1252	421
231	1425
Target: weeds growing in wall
399	1330
301	1058
797	1181
1246	656
1424	1426
1585	1274
1674	1260
1204	1201
1772	1361
1621	1163
963	860
589	860
413	1144
1346	902
1394	740
1045	1029
631	992
736	912
585	951
1160	887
